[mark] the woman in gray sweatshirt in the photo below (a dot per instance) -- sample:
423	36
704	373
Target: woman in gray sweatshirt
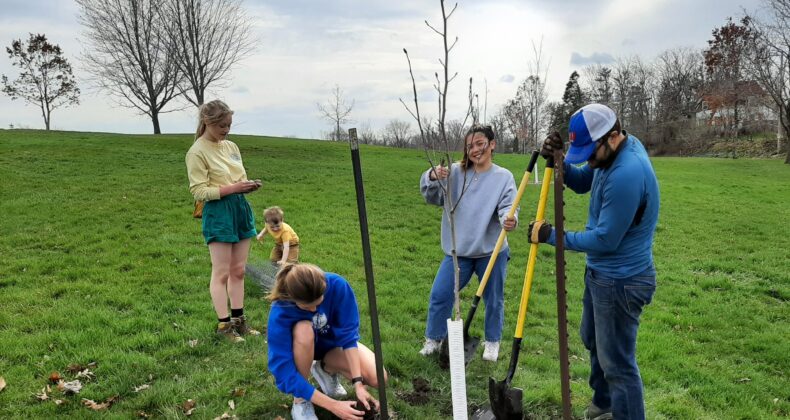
482	194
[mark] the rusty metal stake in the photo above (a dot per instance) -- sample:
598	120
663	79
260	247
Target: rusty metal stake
562	305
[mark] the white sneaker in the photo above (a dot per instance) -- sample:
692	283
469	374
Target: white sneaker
303	411
430	347
491	350
330	384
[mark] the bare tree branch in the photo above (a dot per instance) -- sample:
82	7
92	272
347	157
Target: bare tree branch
130	53
210	37
336	110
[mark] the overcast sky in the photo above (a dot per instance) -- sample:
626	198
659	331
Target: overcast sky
305	47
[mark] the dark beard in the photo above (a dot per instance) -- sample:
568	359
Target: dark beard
609	160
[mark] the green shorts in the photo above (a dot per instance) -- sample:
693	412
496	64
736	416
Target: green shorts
228	219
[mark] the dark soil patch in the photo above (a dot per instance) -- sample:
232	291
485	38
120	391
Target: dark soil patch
422	392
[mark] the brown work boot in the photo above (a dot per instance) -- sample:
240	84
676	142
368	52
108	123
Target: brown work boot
241	326
228	329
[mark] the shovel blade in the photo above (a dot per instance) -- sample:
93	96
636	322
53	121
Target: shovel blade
444	355
470	348
506	402
484	413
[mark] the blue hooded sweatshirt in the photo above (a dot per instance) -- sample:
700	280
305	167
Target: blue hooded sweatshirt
335	324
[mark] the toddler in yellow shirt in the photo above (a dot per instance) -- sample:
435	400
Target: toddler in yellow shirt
286	246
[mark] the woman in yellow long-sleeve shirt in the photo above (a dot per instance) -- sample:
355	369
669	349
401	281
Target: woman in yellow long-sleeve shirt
217	177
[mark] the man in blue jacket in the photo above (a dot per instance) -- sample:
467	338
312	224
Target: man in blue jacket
620	277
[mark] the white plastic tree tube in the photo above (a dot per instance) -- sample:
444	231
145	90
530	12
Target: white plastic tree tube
455	341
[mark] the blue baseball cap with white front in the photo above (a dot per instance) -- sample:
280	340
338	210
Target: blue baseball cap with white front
587	125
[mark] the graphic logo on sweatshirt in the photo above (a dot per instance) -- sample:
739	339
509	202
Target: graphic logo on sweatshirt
236	157
320	323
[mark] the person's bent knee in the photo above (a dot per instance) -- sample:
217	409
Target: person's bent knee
303	334
373	379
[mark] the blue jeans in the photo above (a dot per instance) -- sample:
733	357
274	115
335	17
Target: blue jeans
443	294
610	321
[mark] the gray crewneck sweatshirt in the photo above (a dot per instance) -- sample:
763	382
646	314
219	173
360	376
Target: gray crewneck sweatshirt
482	209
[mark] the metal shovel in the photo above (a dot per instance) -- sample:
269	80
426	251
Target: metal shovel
506	402
472	343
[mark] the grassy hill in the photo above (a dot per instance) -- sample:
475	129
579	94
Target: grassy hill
102	263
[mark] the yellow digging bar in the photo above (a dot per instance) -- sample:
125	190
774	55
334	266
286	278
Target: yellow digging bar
533	252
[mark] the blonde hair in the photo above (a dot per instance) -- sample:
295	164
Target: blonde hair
298	282
211	113
271	212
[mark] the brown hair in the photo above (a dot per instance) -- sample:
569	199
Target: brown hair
272	212
487	131
302	283
211	113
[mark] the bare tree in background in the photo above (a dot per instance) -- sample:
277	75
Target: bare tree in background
46	79
632	88
526	112
397	133
498	124
336	110
679	75
768	61
366	134
209	36
130	53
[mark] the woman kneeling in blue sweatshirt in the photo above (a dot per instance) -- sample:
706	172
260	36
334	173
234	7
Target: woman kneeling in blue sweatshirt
314	329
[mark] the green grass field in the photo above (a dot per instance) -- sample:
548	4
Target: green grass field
102	263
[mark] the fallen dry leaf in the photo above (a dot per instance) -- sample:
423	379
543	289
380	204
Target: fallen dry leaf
42	396
86	374
743	380
74	368
193	343
59	402
72	387
188	406
93	405
142	414
141	387
231	404
225	416
55	377
2	383
237	392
